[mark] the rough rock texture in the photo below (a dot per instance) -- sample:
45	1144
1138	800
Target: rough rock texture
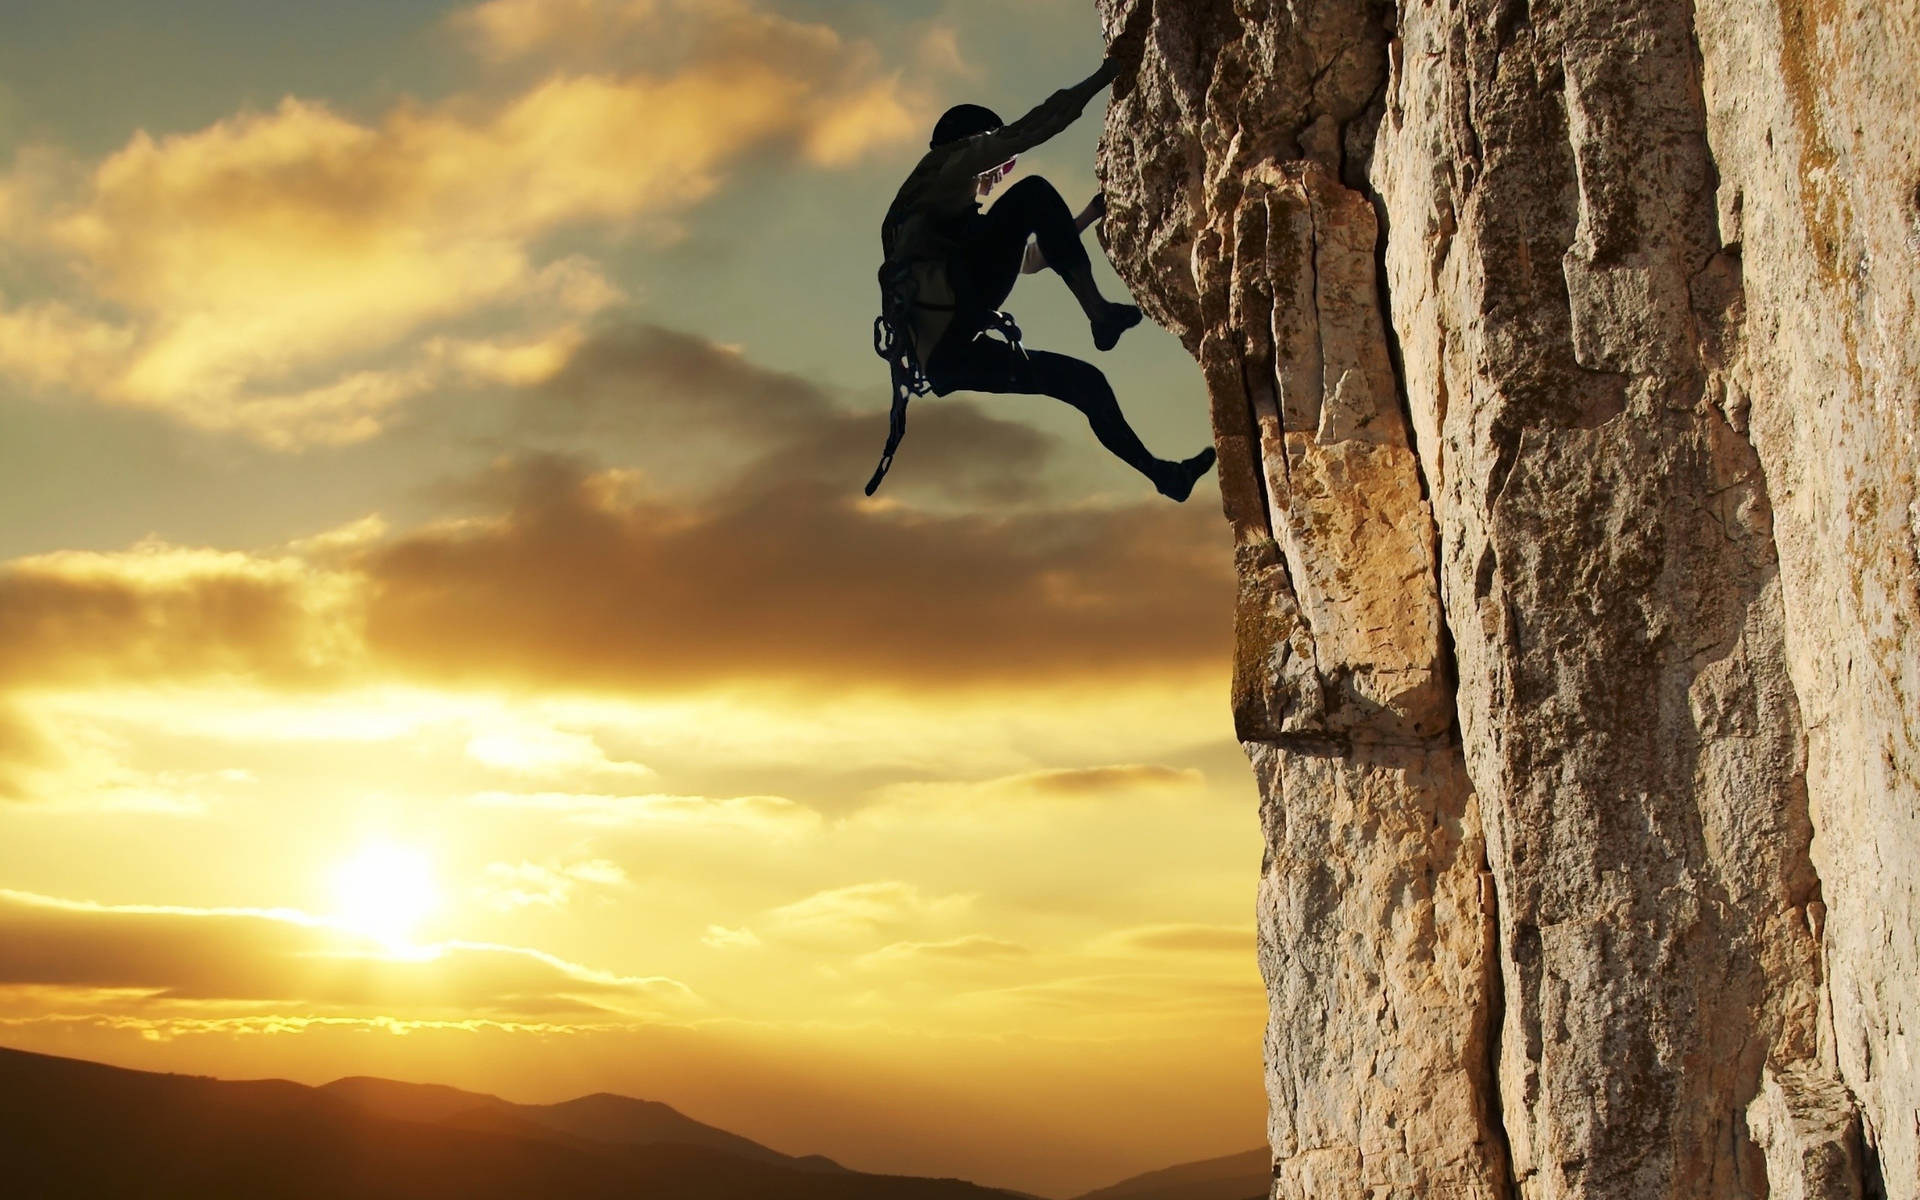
1807	1127
1563	371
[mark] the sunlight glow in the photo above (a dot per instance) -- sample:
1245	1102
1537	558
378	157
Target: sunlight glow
384	892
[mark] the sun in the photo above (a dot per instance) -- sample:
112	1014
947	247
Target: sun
384	892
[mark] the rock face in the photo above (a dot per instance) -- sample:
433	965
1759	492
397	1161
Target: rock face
1564	375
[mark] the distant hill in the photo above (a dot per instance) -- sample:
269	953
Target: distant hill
1233	1177
601	1117
73	1129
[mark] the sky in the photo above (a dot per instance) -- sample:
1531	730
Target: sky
442	635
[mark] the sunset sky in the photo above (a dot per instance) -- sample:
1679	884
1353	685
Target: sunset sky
442	635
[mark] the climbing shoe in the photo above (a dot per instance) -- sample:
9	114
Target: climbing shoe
1177	478
1118	319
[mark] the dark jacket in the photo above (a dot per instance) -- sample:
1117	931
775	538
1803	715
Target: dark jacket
929	215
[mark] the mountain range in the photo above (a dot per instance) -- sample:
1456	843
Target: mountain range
71	1128
1242	1176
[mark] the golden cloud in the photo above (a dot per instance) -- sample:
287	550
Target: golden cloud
722	937
576	590
1100	781
1122	1001
971	949
527	884
765	814
938	49
1177	938
68	765
576	580
23	747
51	344
1015	801
271	273
123	1010
861	911
505	29
160	612
214	957
865	104
789	579
534	748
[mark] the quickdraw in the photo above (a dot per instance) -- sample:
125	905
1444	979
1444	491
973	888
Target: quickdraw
892	331
893	342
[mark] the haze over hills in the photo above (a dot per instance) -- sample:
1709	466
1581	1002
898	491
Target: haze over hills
1243	1176
601	1117
70	1128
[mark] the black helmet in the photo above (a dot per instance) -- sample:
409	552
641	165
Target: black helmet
962	121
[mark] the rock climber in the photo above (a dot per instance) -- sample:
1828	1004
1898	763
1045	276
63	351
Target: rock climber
950	266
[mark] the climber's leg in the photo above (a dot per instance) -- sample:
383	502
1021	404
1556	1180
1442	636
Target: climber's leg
986	266
985	364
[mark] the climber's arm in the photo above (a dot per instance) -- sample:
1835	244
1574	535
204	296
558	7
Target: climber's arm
983	152
1095	209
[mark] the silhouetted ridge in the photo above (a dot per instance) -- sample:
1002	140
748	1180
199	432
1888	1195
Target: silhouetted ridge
408	1101
78	1129
1242	1176
601	1117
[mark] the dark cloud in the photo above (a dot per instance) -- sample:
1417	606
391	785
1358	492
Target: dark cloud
1098	781
673	388
78	619
792	579
657	378
219	956
1182	997
779	571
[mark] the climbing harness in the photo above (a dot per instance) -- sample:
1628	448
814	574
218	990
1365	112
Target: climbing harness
893	329
1003	324
893	342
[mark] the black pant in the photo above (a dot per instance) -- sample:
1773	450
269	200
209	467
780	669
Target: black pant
982	273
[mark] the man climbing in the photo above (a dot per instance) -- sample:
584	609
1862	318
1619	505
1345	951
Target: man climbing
950	266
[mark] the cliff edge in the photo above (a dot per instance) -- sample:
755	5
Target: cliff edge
1563	372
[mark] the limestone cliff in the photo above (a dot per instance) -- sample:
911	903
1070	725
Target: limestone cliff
1563	371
